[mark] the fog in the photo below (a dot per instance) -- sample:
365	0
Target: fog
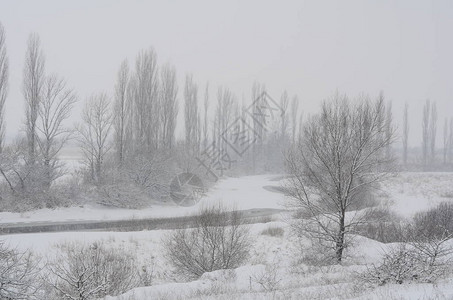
311	49
217	149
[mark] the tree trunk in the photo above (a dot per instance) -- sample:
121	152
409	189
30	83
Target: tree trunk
340	240
48	174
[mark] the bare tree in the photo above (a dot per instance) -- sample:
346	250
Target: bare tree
169	105
94	134
433	132
388	128
32	90
405	132
446	141
205	119
258	91
425	133
294	109
284	101
301	126
131	133
146	102
121	111
450	142
259	133
191	115
3	84
54	108
336	163
224	114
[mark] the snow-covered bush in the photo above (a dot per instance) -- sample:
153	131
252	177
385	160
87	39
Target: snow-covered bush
430	236
26	185
140	179
18	274
121	194
217	241
384	226
90	272
269	279
436	223
399	265
406	263
426	254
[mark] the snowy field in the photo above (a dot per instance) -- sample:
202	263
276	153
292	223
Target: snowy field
409	193
277	255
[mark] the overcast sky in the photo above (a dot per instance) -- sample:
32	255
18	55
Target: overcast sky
309	48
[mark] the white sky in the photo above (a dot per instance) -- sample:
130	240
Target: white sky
309	48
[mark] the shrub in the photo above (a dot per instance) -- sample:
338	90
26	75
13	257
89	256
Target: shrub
384	226
273	231
406	263
436	223
89	272
426	255
18	272
218	241
314	252
398	265
269	279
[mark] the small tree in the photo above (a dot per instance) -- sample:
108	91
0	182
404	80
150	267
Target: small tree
294	108
169	106
32	88
218	241
95	134
191	116
426	134
54	108
433	133
405	133
446	141
121	111
335	164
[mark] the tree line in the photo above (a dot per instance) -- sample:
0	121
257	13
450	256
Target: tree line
428	157
128	139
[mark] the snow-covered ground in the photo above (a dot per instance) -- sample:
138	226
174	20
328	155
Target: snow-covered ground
234	193
270	254
406	194
409	193
276	252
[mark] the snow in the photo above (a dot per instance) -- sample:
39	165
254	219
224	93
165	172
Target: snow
294	280
407	194
441	290
412	192
240	193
